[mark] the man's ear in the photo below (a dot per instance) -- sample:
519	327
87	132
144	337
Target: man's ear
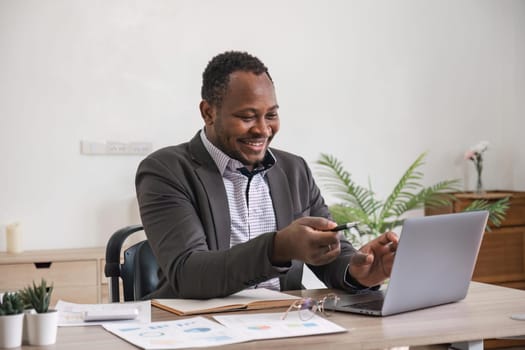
207	112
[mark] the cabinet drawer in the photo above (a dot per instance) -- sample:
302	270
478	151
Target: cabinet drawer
82	295
60	273
501	257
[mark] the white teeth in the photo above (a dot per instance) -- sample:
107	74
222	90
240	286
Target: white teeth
255	143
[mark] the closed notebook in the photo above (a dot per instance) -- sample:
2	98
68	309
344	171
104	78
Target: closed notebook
248	299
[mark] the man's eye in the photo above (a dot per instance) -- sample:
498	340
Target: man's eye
246	118
272	116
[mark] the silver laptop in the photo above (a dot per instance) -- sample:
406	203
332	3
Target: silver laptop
434	263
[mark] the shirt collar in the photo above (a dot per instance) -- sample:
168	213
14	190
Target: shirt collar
223	161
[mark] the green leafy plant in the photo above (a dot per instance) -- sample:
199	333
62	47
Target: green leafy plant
497	210
38	296
12	304
376	216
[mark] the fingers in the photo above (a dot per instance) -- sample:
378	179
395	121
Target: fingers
317	223
387	238
384	244
316	230
307	239
323	255
323	239
361	259
394	241
387	263
373	263
322	246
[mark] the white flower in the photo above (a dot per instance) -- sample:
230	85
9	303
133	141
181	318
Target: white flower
480	147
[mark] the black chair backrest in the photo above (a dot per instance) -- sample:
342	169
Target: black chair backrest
138	271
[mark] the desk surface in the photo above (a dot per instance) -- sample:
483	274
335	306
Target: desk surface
483	314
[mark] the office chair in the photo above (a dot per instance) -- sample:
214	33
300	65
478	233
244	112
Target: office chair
138	270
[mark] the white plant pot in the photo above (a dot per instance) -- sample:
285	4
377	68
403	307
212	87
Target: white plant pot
42	328
11	330
25	337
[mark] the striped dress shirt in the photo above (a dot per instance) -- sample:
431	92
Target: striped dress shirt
249	200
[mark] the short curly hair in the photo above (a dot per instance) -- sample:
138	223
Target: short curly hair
216	76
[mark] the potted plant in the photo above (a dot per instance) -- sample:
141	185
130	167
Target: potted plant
11	320
41	325
376	216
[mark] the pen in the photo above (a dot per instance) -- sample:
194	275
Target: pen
344	226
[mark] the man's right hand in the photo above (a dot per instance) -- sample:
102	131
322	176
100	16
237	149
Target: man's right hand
307	239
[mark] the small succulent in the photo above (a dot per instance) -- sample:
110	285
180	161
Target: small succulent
12	304
38	296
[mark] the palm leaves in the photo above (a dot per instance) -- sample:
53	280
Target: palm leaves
497	210
377	216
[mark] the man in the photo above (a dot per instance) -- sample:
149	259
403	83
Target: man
224	212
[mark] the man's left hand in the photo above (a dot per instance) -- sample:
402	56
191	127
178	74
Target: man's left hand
372	264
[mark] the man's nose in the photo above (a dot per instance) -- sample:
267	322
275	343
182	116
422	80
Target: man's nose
263	127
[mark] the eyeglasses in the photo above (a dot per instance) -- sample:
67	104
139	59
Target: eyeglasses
307	307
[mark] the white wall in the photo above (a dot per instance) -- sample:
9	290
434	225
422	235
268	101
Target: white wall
372	82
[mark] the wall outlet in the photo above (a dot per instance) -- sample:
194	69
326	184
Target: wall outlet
115	148
92	147
139	148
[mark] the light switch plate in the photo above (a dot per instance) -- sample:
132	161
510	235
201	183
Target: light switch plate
115	148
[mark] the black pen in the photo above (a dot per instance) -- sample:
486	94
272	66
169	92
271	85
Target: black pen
344	226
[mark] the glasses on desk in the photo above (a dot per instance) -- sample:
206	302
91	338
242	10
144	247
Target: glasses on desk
307	307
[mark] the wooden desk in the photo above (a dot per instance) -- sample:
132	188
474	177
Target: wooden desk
483	314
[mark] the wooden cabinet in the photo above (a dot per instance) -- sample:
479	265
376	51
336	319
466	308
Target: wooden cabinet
76	274
501	259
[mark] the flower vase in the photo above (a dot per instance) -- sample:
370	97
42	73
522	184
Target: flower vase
479	186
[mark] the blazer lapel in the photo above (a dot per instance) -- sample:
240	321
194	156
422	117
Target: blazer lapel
282	203
216	193
281	197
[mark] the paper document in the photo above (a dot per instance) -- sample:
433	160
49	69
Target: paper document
202	332
188	333
270	326
252	299
71	314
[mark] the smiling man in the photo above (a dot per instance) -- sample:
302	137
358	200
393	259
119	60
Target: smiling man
242	125
224	211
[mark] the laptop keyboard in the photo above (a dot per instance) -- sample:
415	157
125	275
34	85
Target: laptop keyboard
368	305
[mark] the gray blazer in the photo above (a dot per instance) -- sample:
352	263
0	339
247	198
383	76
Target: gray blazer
184	210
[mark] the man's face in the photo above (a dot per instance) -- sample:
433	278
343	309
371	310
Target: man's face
247	121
